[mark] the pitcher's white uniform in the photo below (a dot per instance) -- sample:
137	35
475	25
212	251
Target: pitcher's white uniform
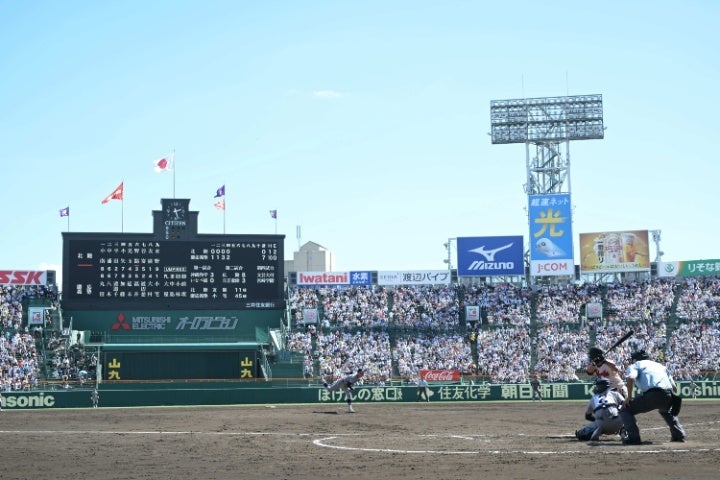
346	384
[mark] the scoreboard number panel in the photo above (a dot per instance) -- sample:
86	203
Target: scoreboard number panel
144	272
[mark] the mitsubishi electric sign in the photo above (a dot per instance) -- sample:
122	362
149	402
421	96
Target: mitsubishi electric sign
490	256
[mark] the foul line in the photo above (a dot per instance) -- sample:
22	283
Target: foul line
321	442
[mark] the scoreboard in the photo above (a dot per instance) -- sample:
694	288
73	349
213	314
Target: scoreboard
148	272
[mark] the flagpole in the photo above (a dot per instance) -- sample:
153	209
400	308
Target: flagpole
173	170
68	215
275	224
122	209
224	208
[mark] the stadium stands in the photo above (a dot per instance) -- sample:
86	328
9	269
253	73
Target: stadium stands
523	333
393	333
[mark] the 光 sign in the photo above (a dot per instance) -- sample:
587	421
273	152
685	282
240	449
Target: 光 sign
488	256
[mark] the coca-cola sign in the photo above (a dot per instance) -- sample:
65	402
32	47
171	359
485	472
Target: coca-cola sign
440	375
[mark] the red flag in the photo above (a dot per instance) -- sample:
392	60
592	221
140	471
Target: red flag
220	205
164	164
117	194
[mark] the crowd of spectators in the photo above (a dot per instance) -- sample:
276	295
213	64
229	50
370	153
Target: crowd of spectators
640	300
503	353
502	304
561	352
426	307
436	352
342	352
514	341
355	307
20	357
398	331
699	299
694	347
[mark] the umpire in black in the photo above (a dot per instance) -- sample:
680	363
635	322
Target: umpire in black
657	387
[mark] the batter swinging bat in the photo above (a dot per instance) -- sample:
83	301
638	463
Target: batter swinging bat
619	342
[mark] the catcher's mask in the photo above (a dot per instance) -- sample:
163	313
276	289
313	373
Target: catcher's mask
601	384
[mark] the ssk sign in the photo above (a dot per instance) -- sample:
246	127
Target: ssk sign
441	375
23	277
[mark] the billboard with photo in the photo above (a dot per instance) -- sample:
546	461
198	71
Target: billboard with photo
623	251
551	237
490	256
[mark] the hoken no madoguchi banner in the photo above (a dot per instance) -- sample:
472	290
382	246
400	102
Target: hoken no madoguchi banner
622	251
551	237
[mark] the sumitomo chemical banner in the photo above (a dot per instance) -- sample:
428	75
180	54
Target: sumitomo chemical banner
490	256
551	239
414	277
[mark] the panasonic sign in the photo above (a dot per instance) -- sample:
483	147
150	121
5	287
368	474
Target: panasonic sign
29	401
487	256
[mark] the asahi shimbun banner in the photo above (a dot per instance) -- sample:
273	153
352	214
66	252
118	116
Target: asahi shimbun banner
626	251
551	237
414	277
334	278
688	268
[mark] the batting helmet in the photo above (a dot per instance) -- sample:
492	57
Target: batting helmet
601	384
639	355
596	355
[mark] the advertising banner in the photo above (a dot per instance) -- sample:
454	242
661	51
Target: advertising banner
310	315
626	251
23	277
36	316
472	313
594	310
551	238
414	277
490	256
440	375
689	268
334	278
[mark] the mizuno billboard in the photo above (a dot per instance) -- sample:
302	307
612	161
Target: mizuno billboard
490	256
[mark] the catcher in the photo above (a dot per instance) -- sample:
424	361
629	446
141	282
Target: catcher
603	412
346	384
604	368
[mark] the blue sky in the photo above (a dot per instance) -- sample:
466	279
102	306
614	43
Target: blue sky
365	123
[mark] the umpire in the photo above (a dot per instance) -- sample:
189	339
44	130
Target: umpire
657	387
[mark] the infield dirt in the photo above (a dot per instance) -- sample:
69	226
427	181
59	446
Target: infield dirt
381	441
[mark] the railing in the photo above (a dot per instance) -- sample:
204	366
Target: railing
265	365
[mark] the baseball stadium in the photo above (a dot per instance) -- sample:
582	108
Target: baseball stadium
175	353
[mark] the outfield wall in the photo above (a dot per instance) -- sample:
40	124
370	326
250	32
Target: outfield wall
237	393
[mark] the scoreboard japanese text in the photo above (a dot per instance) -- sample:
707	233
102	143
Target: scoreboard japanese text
133	271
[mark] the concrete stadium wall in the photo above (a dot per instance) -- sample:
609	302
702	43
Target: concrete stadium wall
237	394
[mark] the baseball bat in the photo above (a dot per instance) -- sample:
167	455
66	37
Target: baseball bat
619	342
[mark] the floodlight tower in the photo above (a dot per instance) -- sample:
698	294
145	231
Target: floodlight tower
546	123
